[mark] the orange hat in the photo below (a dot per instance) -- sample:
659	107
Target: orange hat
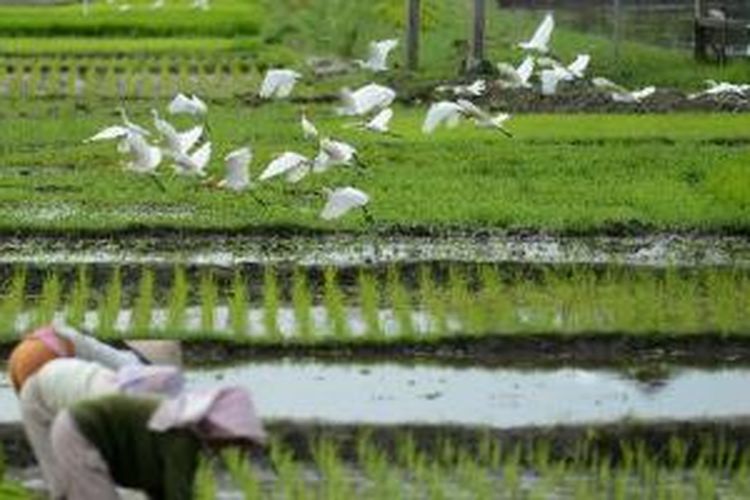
33	352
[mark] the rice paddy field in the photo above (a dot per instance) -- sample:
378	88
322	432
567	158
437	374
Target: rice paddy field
560	314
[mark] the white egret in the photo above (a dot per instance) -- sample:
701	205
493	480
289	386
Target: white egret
366	99
333	153
342	200
377	60
109	133
576	69
177	142
540	41
443	112
511	77
201	5
145	158
237	173
475	89
309	131
484	119
722	88
381	122
183	104
293	166
133	127
194	163
278	83
618	93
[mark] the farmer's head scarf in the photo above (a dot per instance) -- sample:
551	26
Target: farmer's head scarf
213	414
34	351
150	379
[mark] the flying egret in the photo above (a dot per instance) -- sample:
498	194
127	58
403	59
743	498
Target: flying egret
309	131
511	77
293	166
366	99
194	163
177	142
618	93
443	112
333	153
237	176
134	127
574	70
540	41
342	200
200	5
183	104
145	158
721	88
381	122
109	133
475	89
484	119
278	83
377	60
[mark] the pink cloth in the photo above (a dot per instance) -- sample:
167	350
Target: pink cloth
220	413
153	379
49	337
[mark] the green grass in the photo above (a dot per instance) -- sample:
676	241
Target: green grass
562	173
225	19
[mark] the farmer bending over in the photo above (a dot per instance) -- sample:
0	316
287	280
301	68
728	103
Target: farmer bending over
147	444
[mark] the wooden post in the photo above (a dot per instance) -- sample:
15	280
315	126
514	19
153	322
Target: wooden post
480	22
699	33
617	35
413	22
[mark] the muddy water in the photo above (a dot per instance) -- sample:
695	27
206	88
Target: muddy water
499	398
352	250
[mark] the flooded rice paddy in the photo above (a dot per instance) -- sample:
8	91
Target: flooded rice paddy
397	394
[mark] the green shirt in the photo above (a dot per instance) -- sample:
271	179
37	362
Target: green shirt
163	465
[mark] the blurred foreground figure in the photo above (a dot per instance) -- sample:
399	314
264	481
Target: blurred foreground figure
63	382
61	341
147	444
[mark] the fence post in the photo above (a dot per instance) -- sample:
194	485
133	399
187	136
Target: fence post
700	38
480	22
617	35
413	22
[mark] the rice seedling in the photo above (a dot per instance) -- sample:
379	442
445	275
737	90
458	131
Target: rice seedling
334	302
432	303
49	300
141	323
205	487
209	297
369	298
302	302
178	299
271	304
401	304
79	298
12	302
109	305
242	474
238	306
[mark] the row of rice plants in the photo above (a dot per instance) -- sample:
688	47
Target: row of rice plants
453	469
126	78
475	300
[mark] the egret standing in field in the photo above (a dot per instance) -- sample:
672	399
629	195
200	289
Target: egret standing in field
365	100
722	88
293	166
377	60
144	158
309	130
278	83
380	124
237	170
340	201
334	153
540	41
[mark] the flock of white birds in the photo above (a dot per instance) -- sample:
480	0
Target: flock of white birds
370	103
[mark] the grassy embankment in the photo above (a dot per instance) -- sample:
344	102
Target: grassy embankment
286	32
568	174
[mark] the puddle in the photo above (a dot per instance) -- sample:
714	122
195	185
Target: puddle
390	394
353	250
